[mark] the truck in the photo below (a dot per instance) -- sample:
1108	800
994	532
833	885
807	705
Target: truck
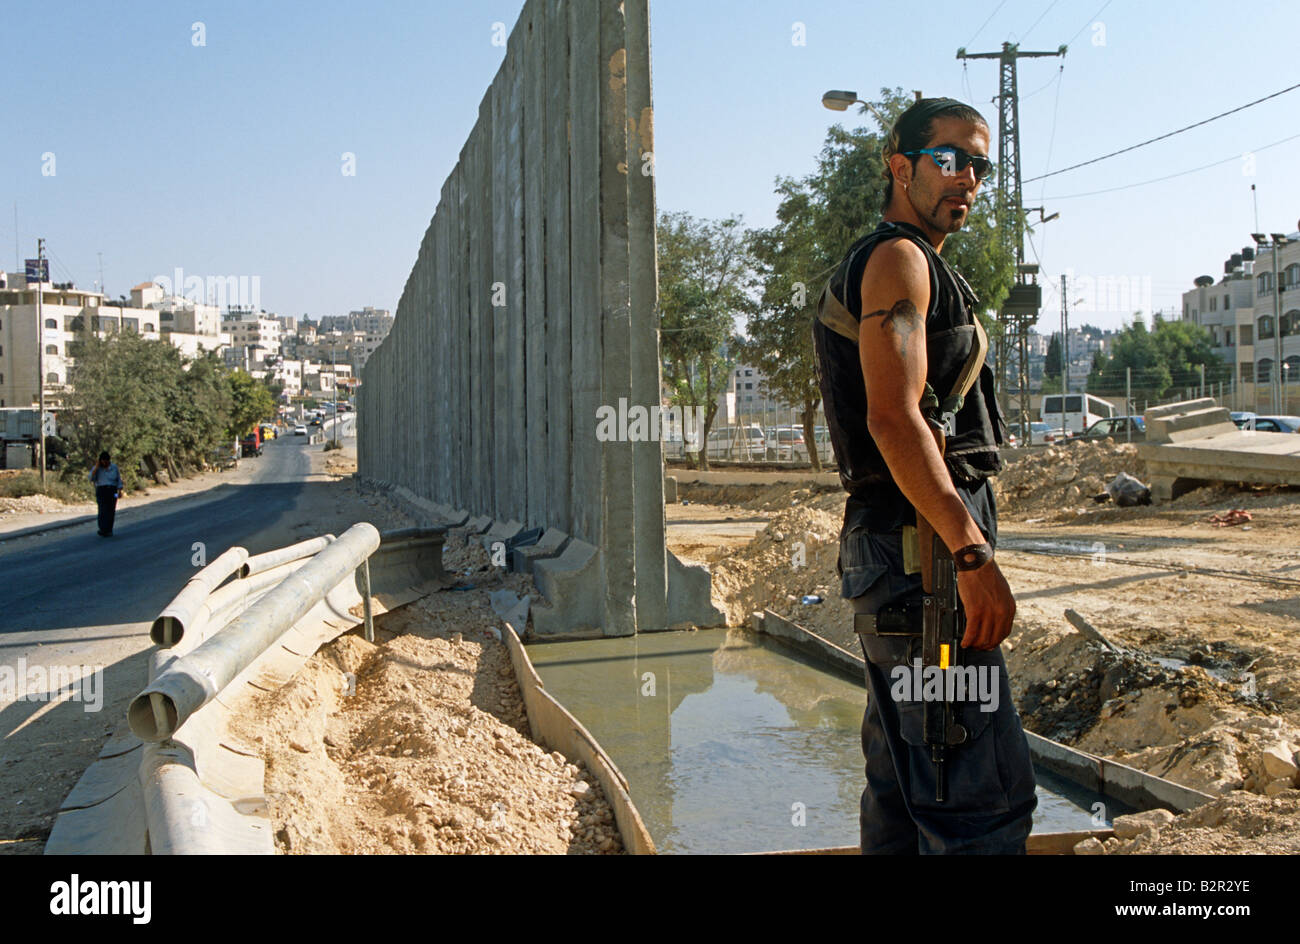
18	424
251	444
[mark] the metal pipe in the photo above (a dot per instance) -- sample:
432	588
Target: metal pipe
170	625
195	679
283	555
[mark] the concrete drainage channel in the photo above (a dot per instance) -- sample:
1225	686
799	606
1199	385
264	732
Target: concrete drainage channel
173	779
745	741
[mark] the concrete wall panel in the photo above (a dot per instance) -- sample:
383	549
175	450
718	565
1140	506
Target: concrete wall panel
492	409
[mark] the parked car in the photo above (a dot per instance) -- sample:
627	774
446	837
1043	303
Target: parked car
300	430
1041	432
1243	418
1277	424
786	443
1120	428
738	443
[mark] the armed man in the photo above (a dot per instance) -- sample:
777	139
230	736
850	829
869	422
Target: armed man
915	425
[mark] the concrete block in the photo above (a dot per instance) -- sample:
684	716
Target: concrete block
501	531
552	543
573	585
670	490
690	598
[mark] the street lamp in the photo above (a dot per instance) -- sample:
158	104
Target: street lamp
841	99
1275	241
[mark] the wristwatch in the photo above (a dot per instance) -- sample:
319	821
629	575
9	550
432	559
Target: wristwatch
973	556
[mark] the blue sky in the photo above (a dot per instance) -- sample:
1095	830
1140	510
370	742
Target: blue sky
225	159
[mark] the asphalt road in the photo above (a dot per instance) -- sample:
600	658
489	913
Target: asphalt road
76	603
74	580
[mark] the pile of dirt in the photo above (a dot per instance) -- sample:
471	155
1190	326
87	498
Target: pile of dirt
761	497
420	744
340	463
1241	823
1208	732
31	505
1059	480
793	557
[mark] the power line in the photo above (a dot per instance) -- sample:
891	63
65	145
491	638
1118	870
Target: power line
986	22
1040	19
1162	137
1092	19
1181	173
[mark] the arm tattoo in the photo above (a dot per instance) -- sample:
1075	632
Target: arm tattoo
902	319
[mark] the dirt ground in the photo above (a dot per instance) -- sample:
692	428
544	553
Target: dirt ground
419	743
1205	689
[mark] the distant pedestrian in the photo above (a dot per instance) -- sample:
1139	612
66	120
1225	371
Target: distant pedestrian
108	489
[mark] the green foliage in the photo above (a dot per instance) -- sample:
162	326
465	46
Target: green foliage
76	489
1052	363
251	404
705	280
1167	356
141	399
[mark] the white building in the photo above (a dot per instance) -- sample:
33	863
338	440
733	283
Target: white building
1240	311
67	313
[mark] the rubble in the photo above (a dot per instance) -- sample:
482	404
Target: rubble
1052	481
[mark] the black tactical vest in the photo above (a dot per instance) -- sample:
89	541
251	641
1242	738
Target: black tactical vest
972	446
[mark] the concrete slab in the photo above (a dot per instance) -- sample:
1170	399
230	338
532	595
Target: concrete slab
572	585
551	544
501	531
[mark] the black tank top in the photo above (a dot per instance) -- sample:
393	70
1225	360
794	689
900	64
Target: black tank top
971	453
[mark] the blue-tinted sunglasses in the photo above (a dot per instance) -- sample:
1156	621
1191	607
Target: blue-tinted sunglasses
953	160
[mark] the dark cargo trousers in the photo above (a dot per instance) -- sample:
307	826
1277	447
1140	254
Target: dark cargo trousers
990	780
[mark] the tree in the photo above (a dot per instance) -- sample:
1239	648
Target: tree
705	280
251	403
121	390
1052	363
1171	354
146	404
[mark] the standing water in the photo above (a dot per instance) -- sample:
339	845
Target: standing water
733	742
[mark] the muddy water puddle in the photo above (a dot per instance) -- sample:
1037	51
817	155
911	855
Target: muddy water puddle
732	742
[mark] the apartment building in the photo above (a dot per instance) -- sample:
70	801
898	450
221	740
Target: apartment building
1240	313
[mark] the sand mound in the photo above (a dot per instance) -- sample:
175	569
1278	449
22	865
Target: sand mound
420	745
1059	479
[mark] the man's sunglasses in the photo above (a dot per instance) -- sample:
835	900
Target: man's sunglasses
953	161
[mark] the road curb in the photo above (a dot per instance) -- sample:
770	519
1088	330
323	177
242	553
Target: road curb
42	528
125	513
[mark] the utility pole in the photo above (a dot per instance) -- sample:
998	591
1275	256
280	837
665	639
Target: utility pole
1020	310
1128	401
40	355
1065	348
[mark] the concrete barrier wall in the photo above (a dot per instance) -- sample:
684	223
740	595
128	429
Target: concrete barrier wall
532	304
